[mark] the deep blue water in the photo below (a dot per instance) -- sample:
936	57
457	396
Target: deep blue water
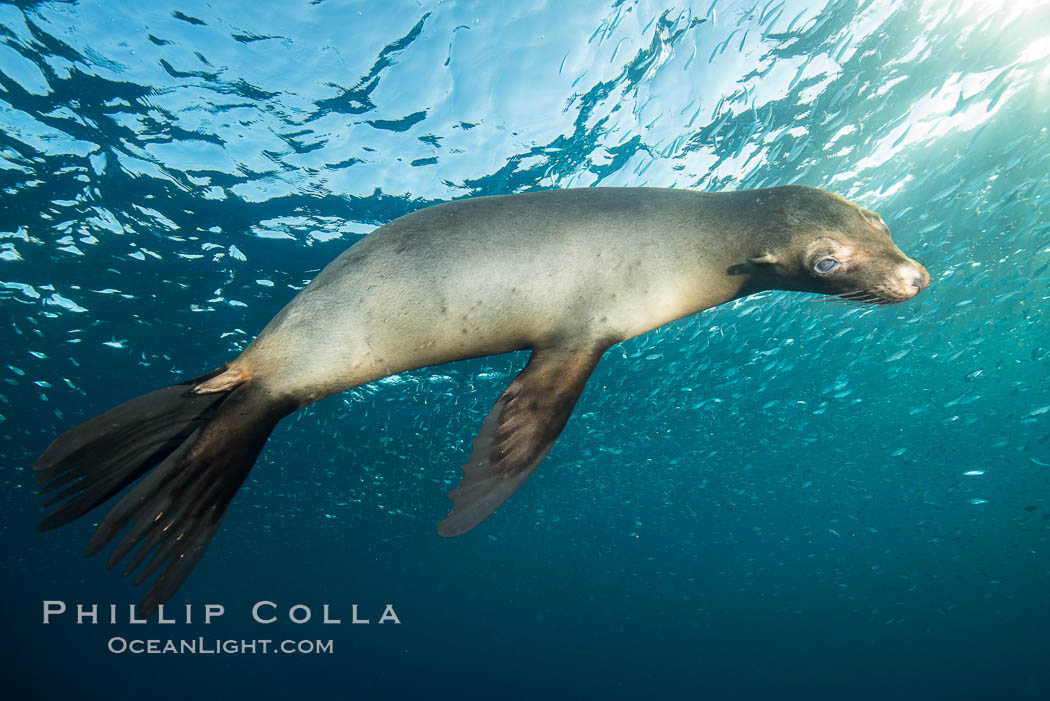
778	498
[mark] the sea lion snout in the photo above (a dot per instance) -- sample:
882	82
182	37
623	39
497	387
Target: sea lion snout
920	279
890	280
912	279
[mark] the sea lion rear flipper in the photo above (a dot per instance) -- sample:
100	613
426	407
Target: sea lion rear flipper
518	433
195	451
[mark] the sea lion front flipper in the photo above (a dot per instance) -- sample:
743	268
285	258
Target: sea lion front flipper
518	433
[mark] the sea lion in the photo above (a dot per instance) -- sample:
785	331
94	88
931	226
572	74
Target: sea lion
563	273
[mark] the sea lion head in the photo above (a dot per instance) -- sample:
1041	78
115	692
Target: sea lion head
816	241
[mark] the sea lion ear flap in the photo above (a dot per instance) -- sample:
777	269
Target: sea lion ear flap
766	258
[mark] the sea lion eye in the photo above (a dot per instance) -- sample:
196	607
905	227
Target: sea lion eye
825	265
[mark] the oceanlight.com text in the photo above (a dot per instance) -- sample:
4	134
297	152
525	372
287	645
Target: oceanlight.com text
214	646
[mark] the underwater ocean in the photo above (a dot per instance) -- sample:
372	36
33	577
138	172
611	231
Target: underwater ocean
784	497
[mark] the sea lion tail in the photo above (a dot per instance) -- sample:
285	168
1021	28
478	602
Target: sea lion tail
196	446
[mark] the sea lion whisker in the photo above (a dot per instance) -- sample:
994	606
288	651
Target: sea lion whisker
854	293
835	299
856	297
828	297
867	297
